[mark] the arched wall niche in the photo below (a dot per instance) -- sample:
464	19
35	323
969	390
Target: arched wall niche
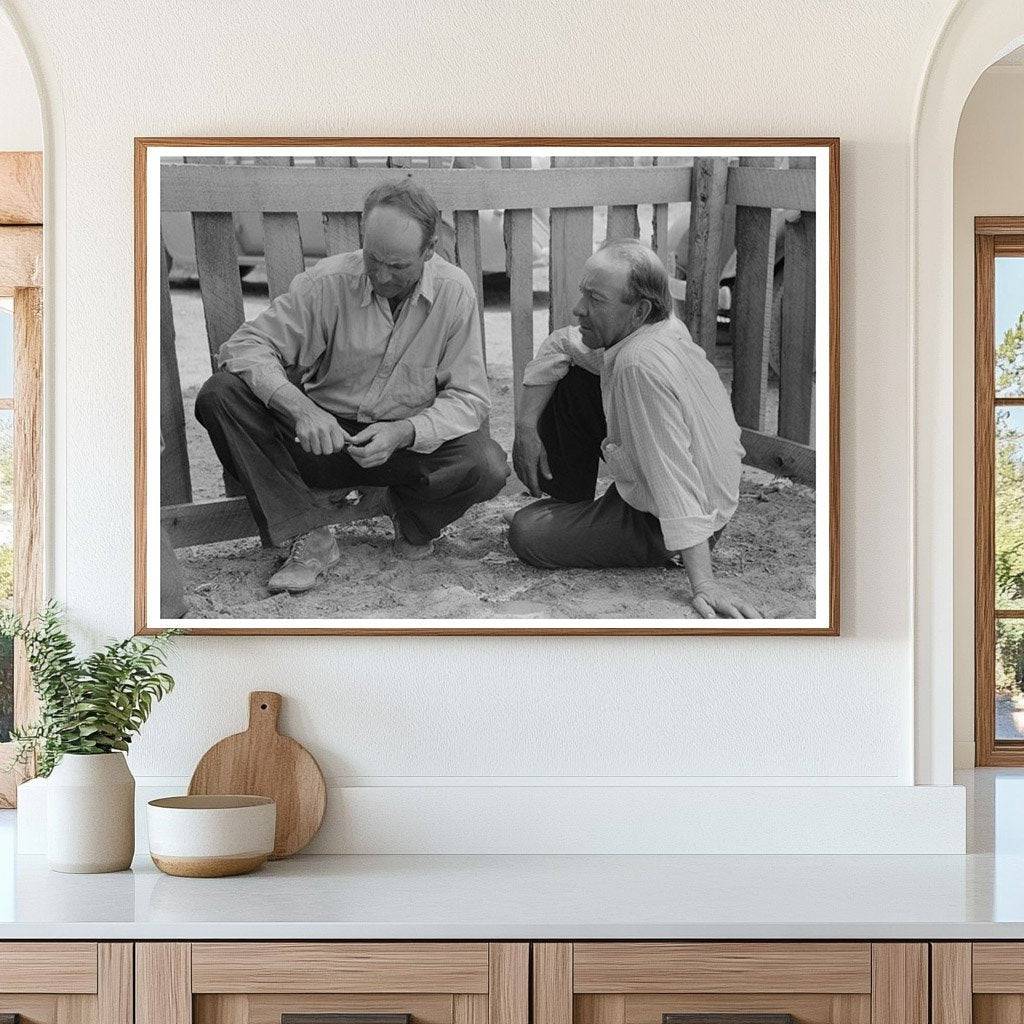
975	35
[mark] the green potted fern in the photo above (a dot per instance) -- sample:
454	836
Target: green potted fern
89	710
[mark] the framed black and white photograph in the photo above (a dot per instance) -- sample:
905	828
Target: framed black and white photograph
507	386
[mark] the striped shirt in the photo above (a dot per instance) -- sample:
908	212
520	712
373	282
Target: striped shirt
336	335
673	446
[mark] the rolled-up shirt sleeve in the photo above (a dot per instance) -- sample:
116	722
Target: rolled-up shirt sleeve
658	439
290	334
462	401
557	353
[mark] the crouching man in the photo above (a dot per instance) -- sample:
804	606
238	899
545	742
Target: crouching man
629	386
368	371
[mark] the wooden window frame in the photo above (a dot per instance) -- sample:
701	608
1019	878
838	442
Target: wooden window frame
21	270
993	236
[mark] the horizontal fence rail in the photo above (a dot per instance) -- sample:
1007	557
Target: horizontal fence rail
732	209
239	188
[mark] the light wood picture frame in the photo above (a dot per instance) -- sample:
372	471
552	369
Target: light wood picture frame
749	206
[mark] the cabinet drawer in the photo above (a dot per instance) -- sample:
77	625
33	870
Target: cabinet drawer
262	982
66	982
48	967
635	967
340	967
749	982
998	967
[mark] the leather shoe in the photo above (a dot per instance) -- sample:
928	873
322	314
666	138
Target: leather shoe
381	503
404	547
311	556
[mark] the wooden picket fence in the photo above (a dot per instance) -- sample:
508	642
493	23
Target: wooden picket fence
757	190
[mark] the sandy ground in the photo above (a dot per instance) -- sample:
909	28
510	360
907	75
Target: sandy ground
766	555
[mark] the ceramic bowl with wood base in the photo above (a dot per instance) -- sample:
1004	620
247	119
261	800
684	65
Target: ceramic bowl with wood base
211	836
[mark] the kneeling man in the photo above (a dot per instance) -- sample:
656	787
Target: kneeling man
629	386
368	371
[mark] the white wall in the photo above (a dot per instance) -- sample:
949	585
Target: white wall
447	713
988	181
21	125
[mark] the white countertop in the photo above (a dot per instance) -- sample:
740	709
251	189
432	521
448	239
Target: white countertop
977	896
532	897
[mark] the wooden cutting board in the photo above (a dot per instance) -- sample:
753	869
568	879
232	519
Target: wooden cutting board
262	762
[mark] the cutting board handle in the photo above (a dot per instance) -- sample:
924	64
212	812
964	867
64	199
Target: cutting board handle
264	710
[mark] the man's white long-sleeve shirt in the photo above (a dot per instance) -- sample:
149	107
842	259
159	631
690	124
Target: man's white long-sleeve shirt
358	361
673	445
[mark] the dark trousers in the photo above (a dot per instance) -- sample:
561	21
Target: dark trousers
258	449
571	528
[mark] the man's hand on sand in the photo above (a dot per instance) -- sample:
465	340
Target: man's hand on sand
712	600
318	432
376	444
530	459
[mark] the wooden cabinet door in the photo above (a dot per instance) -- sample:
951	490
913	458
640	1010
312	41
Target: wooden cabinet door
654	982
979	982
265	982
66	982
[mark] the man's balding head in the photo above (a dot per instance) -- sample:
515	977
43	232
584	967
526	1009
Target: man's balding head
646	277
400	222
624	286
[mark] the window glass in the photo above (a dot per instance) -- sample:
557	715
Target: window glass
1009	679
1009	327
6	350
1009	494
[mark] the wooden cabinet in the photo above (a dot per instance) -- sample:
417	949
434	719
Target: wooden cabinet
260	982
980	982
494	983
815	982
66	982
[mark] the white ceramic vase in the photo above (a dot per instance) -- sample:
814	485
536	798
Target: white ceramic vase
90	814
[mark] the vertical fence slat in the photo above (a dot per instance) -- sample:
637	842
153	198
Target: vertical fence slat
282	246
439	163
796	350
219	280
797	323
175	478
469	256
572	244
752	307
282	243
622	220
518	228
659	233
446	242
659	237
341	230
707	209
220	286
